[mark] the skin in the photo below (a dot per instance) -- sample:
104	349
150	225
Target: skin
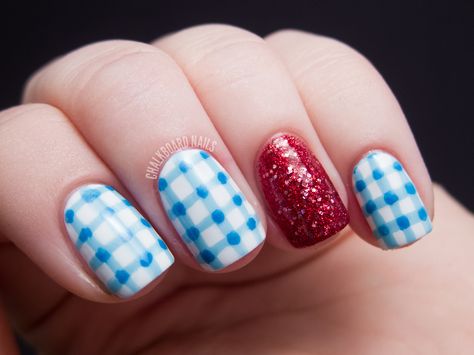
98	114
352	298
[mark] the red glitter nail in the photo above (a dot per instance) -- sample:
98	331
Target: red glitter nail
298	191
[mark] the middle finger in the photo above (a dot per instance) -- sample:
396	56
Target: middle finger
255	105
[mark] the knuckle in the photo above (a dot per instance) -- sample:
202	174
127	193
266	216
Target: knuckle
20	122
313	52
331	63
223	57
336	53
336	57
69	77
340	68
206	41
17	116
326	66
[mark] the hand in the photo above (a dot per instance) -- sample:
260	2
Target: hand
102	123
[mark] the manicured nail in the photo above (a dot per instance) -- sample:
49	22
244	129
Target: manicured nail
389	201
208	210
117	243
299	193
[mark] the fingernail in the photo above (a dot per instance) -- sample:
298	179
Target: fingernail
299	193
208	210
389	201
114	239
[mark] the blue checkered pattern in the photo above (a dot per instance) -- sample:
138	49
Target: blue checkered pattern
117	243
208	210
390	201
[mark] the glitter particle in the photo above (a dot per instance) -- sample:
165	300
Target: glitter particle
301	196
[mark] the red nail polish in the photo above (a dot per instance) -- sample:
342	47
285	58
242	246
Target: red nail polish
298	191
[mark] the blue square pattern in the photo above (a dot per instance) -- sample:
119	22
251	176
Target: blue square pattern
208	210
390	201
117	243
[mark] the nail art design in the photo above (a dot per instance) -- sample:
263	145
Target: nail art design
300	195
208	210
389	201
117	243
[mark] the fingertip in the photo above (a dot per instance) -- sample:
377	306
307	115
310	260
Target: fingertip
390	212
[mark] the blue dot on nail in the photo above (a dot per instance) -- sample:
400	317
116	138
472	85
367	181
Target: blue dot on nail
179	209
146	261
422	214
397	166
85	234
237	200
193	233
162	244
162	184
110	188
383	230
207	256
204	154
222	177
102	254
410	188
145	222
69	216
183	166
109	210
390	198
403	222
233	238
90	195
202	192
251	223
122	276
217	216
360	185
370	207
377	174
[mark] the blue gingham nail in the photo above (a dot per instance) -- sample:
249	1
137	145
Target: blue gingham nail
208	210
117	243
389	201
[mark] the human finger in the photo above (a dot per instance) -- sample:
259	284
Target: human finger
366	134
254	104
61	209
123	91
